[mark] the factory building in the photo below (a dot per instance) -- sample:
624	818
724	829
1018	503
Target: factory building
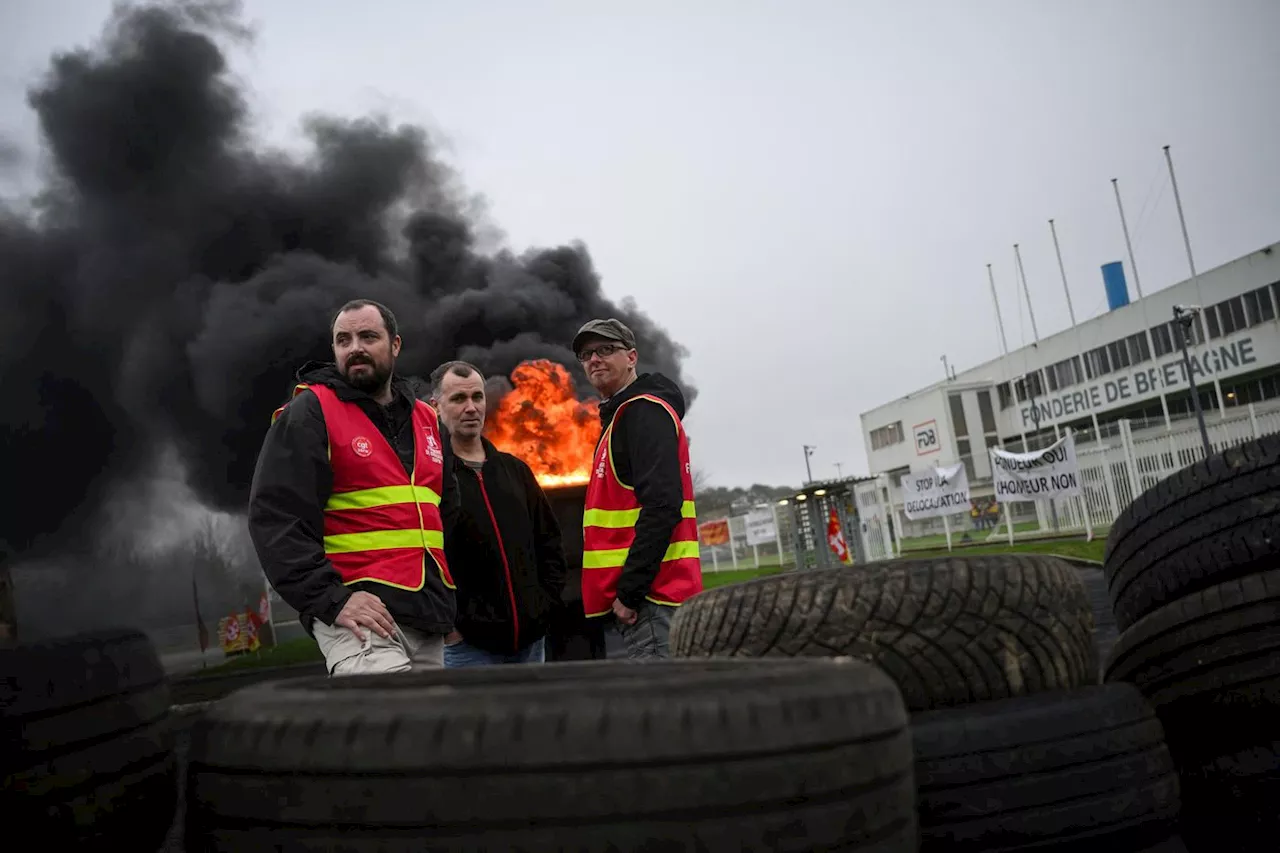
1124	365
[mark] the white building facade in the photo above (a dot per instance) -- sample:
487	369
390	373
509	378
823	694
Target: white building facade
1118	373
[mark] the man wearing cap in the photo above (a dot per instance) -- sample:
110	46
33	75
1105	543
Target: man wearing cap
640	531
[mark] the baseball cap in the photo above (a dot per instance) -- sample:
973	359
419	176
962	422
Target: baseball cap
614	330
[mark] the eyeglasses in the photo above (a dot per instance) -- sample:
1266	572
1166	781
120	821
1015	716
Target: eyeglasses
604	351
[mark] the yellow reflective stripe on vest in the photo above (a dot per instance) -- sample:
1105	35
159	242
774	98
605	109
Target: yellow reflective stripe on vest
382	496
618	518
379	540
615	557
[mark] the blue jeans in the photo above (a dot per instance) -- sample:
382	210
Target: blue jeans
465	654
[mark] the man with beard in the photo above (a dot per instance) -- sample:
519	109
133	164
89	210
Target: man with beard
503	543
639	527
348	504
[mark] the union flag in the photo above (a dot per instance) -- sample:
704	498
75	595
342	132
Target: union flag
835	538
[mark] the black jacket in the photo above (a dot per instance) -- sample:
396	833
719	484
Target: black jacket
518	566
647	458
291	485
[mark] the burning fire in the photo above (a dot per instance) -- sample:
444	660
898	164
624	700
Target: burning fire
542	421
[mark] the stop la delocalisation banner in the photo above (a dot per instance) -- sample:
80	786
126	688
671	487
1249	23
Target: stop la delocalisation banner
935	492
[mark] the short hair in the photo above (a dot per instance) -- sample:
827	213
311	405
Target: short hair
457	368
388	319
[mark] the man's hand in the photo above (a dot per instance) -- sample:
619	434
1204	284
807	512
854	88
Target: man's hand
365	608
625	614
452	638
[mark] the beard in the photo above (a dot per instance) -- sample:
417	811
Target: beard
369	381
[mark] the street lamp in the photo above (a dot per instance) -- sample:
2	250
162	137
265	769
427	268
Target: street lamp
808	451
1182	317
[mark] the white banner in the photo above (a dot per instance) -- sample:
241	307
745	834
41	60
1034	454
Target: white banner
760	527
935	492
1038	475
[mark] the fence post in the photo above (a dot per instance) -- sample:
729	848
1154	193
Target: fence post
1109	486
1253	422
1130	460
885	500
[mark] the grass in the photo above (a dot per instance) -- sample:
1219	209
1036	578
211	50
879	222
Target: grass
1079	548
288	653
939	540
711	580
304	650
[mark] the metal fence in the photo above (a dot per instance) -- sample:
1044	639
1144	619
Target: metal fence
1113	472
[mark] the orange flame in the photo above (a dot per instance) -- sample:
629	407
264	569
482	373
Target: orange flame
542	421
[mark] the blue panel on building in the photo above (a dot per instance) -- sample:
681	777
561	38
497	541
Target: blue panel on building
1113	280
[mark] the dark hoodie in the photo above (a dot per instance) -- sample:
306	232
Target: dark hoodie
291	485
646	457
505	552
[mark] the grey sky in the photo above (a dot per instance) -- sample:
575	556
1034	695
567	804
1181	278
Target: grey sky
835	172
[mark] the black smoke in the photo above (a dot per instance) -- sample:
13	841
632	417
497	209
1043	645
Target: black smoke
174	272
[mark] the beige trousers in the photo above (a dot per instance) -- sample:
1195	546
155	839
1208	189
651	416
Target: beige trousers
404	650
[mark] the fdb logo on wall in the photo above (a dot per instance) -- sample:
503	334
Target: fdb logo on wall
925	436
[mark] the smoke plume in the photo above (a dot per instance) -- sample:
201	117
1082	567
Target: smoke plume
173	272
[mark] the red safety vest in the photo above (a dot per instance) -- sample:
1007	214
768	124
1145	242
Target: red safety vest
380	525
609	527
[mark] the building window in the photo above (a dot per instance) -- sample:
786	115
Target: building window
1138	349
1258	306
1064	374
1098	362
1162	339
1029	386
984	410
966	457
1119	353
1005	394
1211	317
957	416
886	436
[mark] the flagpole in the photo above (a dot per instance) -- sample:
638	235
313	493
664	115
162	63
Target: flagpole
1062	271
1133	265
1191	264
1084	373
1124	225
1025	292
1004	343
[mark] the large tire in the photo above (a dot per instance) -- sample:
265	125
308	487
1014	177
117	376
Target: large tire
949	631
1210	522
1210	664
87	756
1085	769
682	755
1105	631
1231	801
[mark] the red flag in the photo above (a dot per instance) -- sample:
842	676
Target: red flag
835	538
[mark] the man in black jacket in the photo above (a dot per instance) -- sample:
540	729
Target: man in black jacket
365	626
503	544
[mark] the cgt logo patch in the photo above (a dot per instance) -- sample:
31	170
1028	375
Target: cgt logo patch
433	447
362	446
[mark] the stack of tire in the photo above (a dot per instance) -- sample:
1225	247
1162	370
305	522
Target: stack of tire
1193	572
1016	745
705	755
86	747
